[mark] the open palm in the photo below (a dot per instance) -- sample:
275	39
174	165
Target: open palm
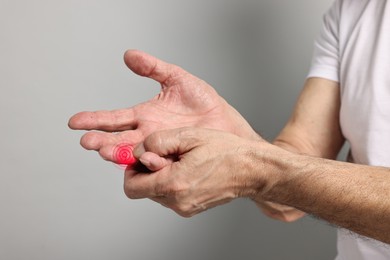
184	101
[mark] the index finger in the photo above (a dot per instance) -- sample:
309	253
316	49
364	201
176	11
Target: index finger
142	185
111	121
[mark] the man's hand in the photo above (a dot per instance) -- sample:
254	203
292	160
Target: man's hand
212	168
184	101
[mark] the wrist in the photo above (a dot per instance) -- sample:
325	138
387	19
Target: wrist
271	167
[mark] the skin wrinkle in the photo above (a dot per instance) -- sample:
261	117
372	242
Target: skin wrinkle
174	78
236	183
241	191
122	126
259	168
152	71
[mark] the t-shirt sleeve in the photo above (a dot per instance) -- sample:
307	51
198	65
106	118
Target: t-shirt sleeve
325	61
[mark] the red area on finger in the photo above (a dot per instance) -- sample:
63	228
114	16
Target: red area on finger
123	155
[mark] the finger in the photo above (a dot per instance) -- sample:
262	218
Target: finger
113	153
117	148
111	121
96	140
142	185
146	65
154	162
168	142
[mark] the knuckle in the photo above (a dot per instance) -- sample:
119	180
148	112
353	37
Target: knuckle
184	210
187	133
186	215
129	192
152	141
176	74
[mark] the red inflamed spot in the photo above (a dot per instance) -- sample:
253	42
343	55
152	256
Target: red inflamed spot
123	155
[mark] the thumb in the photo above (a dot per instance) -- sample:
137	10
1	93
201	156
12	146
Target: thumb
146	65
166	143
154	162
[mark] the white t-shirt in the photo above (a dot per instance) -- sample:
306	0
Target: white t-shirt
354	49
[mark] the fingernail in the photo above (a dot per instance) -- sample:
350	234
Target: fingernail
139	150
147	163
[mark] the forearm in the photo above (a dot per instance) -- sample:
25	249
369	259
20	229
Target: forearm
352	196
313	129
276	210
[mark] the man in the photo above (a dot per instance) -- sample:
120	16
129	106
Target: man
346	96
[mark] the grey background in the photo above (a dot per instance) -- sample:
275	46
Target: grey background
60	57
